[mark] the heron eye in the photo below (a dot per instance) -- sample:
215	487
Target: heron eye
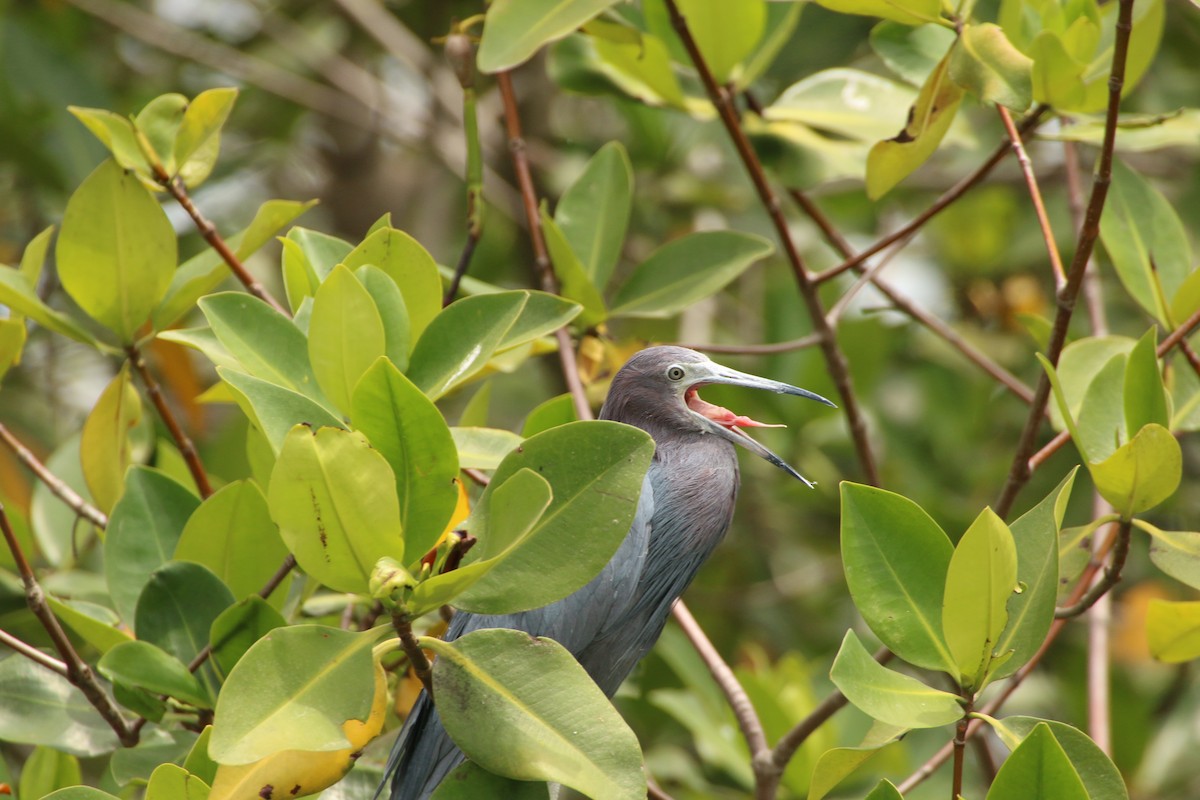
675	373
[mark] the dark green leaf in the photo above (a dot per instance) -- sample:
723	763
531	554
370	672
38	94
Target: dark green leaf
145	666
461	339
1145	397
41	707
178	606
593	213
240	626
273	409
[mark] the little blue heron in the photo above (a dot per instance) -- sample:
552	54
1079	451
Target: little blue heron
685	508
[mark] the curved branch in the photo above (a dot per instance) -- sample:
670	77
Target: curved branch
55	484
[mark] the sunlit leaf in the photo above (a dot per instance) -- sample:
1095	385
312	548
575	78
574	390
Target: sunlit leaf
461	339
1173	630
889	696
911	52
145	666
1038	769
1142	473
104	446
515	29
408	264
483	448
908	12
345	335
988	66
1176	553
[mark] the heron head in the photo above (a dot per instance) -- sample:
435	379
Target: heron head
660	387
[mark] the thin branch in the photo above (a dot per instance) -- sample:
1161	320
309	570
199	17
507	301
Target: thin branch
949	196
839	369
654	791
735	694
209	231
787	746
55	484
544	271
1099	622
1092	296
804	342
1019	472
960	750
461	55
32	653
77	670
1112	575
187	449
416	656
1035	194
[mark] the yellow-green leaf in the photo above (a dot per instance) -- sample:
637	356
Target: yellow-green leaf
104	448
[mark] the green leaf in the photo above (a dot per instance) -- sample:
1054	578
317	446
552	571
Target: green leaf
1142	473
685	270
726	31
345	335
266	343
12	342
116	134
94	624
483	448
550	414
838	763
515	29
1038	769
889	696
53	523
145	666
559	727
198	141
516	506
885	790
104	447
896	559
18	294
1146	241
46	770
575	283
292	691
1078	366
1101	420
911	52
198	761
542	314
42	708
848	102
334	499
79	793
1100	776
469	781
979	582
177	607
410	266
142	533
595	470
593	213
169	782
238	627
1176	553
1173	630
116	250
403	425
461	339
204	272
987	65
158	122
389	302
273	409
1145	397
893	160
232	534
907	12
1031	611
155	747
640	68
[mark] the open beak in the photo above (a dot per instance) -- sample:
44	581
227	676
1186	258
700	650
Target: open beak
728	425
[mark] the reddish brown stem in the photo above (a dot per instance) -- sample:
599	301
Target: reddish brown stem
78	672
1035	195
209	231
544	271
1112	575
416	656
1019	471
54	483
187	448
839	369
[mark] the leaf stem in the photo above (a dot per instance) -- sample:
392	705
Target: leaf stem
1111	577
1089	232
187	448
543	270
77	670
838	367
55	484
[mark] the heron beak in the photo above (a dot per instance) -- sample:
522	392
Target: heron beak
728	425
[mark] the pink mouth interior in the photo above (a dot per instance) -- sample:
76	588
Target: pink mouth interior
721	416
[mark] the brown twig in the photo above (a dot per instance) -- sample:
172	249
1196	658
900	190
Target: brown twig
1092	298
176	189
835	360
952	194
460	269
55	484
804	342
544	271
1112	575
416	656
1088	234
32	653
735	694
77	670
1035	194
187	448
960	750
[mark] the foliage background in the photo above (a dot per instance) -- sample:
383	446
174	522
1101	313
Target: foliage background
369	133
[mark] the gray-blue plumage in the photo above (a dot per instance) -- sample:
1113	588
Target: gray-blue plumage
683	513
